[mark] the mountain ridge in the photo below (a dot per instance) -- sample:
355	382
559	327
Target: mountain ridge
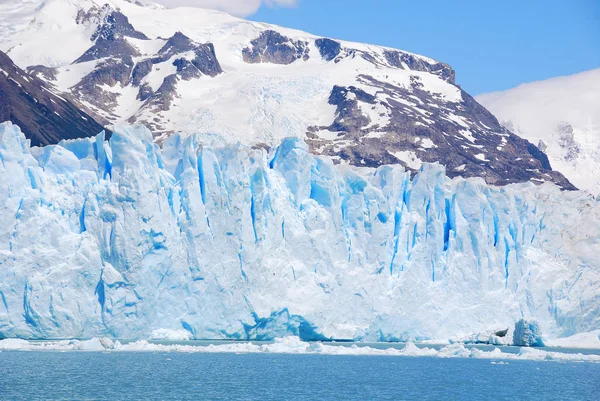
228	80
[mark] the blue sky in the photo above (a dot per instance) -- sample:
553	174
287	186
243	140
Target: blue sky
492	45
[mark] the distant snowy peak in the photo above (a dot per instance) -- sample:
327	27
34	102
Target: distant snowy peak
226	79
562	116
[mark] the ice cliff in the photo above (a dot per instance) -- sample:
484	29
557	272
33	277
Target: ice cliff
124	238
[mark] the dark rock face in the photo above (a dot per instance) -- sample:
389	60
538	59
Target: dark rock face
162	98
400	60
45	118
204	62
116	25
110	72
118	48
43	72
413	126
118	68
273	47
140	71
110	23
332	50
110	35
205	59
328	48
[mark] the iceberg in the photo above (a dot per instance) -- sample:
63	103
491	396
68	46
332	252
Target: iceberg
528	334
126	239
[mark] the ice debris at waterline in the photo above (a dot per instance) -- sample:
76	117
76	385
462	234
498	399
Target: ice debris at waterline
293	345
123	238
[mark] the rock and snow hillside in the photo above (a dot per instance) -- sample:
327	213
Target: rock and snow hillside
227	79
562	116
125	239
47	117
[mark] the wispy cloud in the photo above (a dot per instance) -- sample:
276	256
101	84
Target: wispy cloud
241	8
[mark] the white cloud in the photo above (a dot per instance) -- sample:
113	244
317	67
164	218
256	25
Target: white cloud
240	8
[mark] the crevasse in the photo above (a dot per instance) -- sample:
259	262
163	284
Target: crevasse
123	238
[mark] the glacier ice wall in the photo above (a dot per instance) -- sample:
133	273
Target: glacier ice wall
123	238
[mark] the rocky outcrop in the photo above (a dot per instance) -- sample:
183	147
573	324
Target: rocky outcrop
273	47
95	88
566	140
44	117
411	126
204	61
110	35
191	60
42	72
408	61
118	69
328	48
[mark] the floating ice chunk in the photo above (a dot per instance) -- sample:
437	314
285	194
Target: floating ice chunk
293	345
171	335
528	334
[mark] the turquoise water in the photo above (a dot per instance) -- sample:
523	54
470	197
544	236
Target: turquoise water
50	375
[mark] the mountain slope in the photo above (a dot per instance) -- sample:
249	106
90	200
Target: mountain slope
46	117
562	115
230	80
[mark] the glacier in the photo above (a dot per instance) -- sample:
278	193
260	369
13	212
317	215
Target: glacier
123	238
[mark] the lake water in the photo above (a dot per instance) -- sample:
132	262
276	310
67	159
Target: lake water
51	375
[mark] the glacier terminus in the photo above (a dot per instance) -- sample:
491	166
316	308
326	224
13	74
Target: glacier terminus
123	238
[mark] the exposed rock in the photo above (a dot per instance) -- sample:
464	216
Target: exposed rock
185	69
110	35
403	60
41	71
566	140
328	48
144	92
44	117
415	126
117	25
205	59
118	47
140	71
501	333
162	98
273	47
204	62
109	23
178	43
109	73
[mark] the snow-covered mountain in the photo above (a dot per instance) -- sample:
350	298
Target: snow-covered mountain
297	199
562	116
126	239
231	80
